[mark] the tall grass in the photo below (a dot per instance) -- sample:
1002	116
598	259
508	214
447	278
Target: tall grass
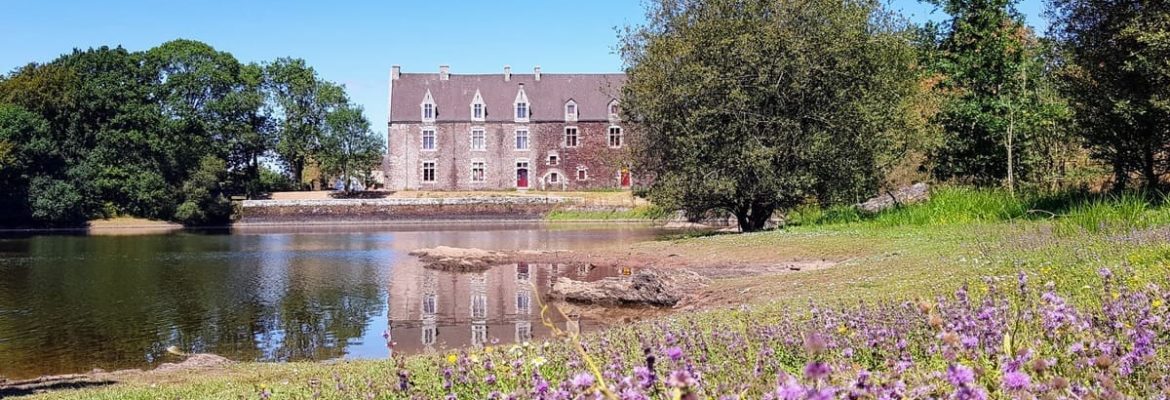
1074	212
639	213
1114	214
957	205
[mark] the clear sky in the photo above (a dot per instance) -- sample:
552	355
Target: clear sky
356	42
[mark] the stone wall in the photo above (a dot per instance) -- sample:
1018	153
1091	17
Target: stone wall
453	156
400	209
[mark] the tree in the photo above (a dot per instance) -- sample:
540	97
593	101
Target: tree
749	106
204	200
169	133
22	143
248	130
349	148
1119	82
302	102
990	66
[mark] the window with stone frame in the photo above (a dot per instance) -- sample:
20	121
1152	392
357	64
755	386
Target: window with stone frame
478	171
428	139
571	138
582	173
428	171
522	139
478	139
478	109
615	136
553	159
521	110
570	111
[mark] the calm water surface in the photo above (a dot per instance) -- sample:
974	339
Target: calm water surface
74	303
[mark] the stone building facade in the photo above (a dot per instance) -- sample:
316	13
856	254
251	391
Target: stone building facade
506	131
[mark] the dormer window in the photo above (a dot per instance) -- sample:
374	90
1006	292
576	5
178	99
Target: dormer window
614	110
429	110
478	109
523	108
570	111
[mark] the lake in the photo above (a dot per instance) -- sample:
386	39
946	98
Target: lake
70	304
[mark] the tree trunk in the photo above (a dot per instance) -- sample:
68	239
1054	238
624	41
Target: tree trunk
1149	172
1011	171
298	171
753	218
741	219
760	216
1120	175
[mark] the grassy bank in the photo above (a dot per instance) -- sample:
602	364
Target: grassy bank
645	212
959	296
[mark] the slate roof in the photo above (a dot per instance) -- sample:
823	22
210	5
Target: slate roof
547	97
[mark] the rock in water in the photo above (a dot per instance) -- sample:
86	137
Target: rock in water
645	287
458	260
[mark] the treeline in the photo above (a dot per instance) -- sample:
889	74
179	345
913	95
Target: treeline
830	101
170	133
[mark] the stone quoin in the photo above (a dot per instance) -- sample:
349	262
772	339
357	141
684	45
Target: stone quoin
537	131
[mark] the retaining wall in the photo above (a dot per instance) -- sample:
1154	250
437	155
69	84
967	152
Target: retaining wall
400	209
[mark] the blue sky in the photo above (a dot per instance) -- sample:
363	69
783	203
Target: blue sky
356	42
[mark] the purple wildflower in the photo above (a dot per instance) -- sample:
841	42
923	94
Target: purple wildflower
959	375
816	370
1016	380
681	379
583	381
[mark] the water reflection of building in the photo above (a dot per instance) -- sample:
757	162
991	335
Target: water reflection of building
523	318
502	304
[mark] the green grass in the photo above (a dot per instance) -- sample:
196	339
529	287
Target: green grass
639	213
1075	212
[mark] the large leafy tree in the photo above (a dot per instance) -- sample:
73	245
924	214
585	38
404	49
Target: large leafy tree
349	149
302	102
1119	82
749	106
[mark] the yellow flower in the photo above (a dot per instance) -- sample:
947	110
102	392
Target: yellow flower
451	358
1116	296
487	349
538	361
1157	303
842	329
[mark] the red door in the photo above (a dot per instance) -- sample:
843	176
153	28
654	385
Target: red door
522	177
625	177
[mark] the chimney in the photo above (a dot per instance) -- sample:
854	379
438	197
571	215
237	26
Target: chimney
444	72
536	71
395	72
507	73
